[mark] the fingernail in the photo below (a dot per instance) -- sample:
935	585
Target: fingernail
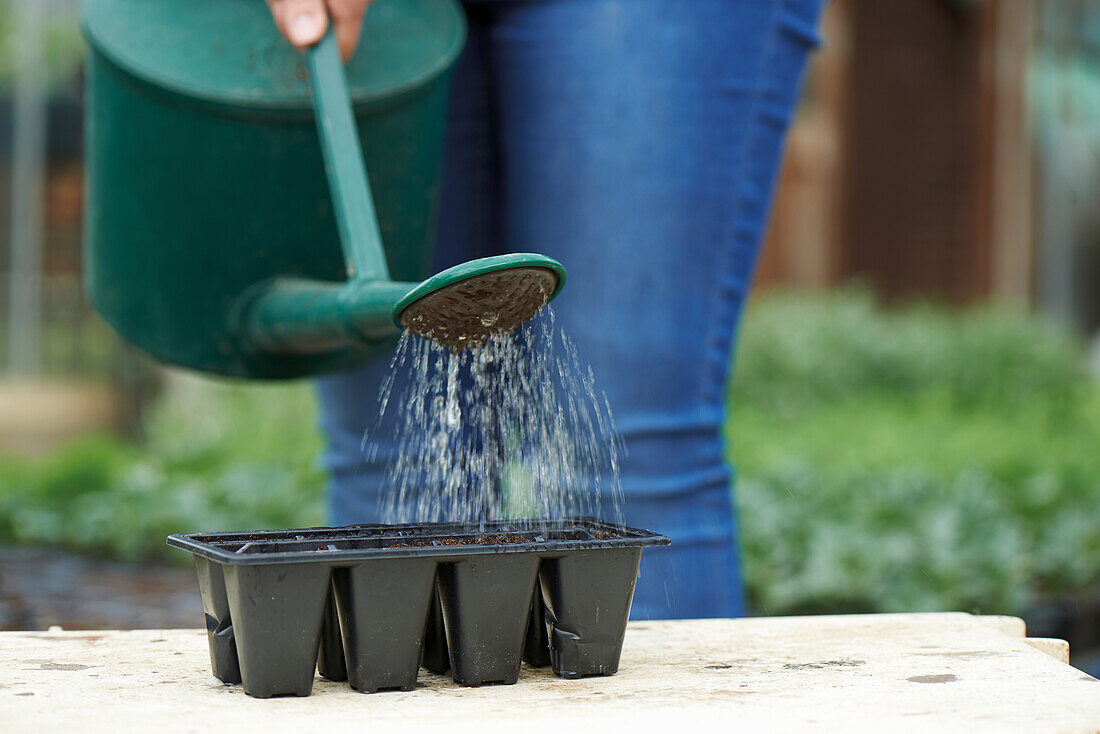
305	28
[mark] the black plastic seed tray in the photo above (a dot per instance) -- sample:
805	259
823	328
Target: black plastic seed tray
371	604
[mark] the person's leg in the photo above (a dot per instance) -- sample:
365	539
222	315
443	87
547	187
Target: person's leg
468	227
639	144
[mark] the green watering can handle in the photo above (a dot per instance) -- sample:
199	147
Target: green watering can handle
356	221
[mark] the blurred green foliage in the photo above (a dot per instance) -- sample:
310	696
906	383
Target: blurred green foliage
218	456
913	459
62	44
916	459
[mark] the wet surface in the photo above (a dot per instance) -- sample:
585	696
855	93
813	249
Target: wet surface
824	664
51	665
43	588
941	678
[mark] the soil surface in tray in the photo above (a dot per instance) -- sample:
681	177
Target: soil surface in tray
439	541
379	538
492	539
496	539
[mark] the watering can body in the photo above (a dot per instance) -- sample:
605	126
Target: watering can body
205	178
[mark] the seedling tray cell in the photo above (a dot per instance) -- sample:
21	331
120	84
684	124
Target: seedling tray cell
330	656
373	603
383	609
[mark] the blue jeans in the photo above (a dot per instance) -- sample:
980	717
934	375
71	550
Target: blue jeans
637	142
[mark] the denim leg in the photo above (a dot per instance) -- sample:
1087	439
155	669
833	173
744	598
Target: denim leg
637	141
639	145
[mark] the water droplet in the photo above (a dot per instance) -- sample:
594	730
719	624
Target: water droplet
454	414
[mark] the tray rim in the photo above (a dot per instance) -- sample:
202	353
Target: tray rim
202	544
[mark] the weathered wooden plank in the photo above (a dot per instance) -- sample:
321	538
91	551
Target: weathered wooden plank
874	673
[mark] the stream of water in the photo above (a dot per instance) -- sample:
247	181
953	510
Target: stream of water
513	428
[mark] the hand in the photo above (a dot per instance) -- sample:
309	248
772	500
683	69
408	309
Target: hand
304	22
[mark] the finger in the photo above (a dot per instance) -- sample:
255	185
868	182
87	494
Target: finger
347	16
303	22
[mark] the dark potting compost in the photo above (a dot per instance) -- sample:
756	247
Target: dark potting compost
373	603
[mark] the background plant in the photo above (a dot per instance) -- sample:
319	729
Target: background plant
914	459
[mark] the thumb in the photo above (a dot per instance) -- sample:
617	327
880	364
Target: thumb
303	22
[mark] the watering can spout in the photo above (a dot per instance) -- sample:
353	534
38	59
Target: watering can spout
299	316
458	307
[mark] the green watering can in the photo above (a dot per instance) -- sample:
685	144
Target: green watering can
230	226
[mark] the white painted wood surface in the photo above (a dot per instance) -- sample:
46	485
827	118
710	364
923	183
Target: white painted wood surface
873	673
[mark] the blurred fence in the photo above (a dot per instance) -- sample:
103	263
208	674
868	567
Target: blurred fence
40	110
1065	83
948	150
73	341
